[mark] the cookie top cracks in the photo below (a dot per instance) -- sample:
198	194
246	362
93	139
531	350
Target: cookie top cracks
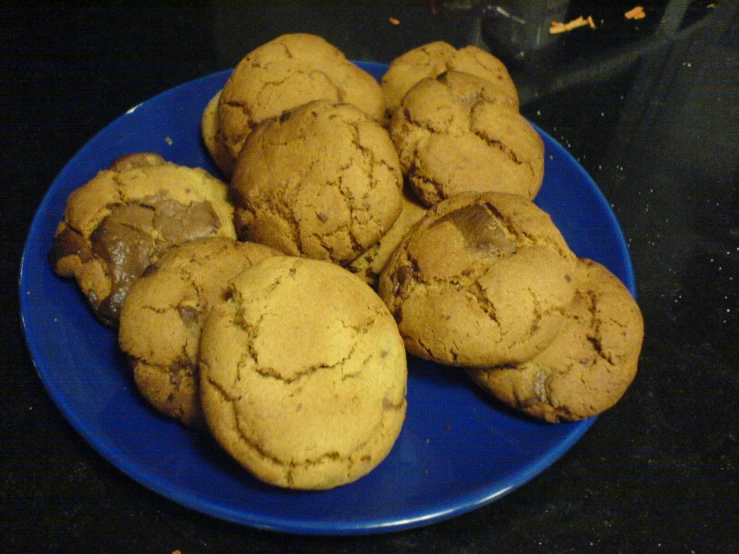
321	181
455	133
435	58
303	374
589	366
481	280
287	72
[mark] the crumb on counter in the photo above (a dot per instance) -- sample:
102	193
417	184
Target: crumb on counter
394	21
635	13
557	27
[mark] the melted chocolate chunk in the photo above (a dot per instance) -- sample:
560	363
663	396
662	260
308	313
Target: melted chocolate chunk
403	277
151	270
480	229
126	251
68	243
189	315
177	223
467	95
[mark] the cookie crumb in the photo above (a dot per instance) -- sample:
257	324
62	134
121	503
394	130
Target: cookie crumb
558	27
635	13
394	21
168	140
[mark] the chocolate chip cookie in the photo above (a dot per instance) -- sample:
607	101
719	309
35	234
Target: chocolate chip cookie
435	58
453	134
321	181
287	72
589	365
483	279
119	222
213	139
303	374
164	311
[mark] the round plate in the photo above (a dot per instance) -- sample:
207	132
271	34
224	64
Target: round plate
458	449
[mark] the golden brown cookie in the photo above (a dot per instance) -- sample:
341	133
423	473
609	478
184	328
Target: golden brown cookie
321	181
287	72
435	58
454	135
590	364
481	280
163	314
213	139
303	374
119	222
370	264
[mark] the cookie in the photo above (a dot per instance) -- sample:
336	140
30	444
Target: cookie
369	265
589	366
120	221
287	72
213	139
321	181
481	280
164	311
454	135
435	58
303	374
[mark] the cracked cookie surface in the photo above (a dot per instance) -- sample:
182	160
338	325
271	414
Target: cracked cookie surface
454	134
481	280
120	221
589	366
287	72
435	58
321	181
369	265
303	374
163	314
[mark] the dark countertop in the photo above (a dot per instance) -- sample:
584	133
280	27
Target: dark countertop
650	109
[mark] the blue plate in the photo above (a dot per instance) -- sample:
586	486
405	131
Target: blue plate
458	449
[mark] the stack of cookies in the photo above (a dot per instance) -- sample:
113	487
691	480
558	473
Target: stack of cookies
244	306
456	125
294	365
485	282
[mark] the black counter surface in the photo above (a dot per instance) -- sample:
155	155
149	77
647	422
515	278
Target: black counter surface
650	108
